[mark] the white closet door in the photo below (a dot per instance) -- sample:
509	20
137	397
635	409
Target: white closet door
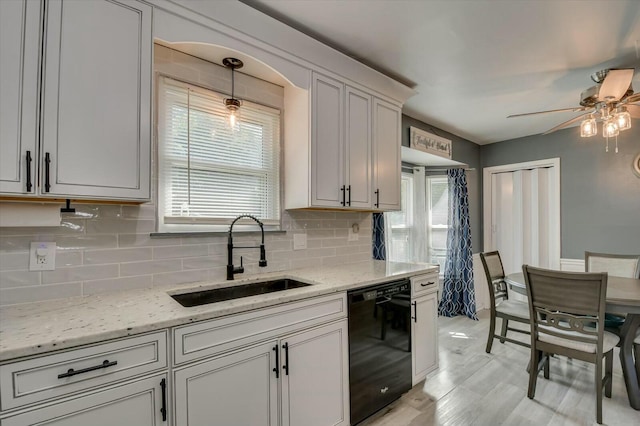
525	216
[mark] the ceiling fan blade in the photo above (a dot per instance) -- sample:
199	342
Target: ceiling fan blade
575	109
634	110
615	84
631	99
567	123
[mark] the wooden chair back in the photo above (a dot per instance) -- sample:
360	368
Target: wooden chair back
492	264
561	302
617	265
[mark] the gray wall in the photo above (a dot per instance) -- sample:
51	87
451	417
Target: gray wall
600	195
466	152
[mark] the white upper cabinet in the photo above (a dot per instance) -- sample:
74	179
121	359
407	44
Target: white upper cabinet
353	149
95	99
387	120
358	148
20	23
327	142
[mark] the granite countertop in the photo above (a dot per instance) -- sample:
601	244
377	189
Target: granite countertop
36	328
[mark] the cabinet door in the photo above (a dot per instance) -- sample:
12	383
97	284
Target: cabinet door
237	389
97	100
424	336
20	23
358	148
386	146
327	142
137	403
315	384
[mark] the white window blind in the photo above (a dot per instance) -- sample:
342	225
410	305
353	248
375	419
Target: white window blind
209	173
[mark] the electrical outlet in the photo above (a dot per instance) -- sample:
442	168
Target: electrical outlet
353	232
42	256
299	241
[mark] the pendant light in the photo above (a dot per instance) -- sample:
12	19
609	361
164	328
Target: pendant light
232	104
588	127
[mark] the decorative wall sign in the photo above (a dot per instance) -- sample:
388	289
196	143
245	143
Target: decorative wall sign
428	142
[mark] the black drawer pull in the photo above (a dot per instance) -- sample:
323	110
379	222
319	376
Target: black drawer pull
277	367
343	202
29	184
349	191
426	284
377	204
286	358
71	372
47	166
163	410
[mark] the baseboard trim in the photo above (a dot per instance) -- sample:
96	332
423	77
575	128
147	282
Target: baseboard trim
572	265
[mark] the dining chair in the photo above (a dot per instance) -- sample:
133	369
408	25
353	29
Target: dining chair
567	318
618	265
500	306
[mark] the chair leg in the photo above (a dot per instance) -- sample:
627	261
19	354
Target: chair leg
503	333
608	373
599	392
547	360
492	332
533	373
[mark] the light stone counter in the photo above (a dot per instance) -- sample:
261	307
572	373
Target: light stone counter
35	328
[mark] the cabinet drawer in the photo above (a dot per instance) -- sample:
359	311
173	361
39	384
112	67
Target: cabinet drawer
424	284
60	374
207	338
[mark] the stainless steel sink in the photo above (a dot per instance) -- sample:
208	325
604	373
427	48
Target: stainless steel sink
197	298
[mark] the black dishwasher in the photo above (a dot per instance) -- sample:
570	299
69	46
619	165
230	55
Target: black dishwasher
379	346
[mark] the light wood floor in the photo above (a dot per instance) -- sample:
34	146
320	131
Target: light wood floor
472	387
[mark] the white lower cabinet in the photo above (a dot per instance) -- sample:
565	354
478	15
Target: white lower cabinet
240	388
298	379
138	403
315	385
424	336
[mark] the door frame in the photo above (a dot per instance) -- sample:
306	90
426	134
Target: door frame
555	218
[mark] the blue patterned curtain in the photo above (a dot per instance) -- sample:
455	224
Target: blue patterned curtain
458	293
379	249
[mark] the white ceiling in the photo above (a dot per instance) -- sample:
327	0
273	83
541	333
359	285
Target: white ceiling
475	62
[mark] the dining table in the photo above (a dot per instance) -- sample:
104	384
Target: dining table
623	297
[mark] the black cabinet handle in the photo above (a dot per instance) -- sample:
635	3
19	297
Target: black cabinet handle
377	198
415	311
277	367
286	358
426	284
163	410
349	191
47	166
72	372
29	184
343	202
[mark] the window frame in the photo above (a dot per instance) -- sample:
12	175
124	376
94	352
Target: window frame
187	224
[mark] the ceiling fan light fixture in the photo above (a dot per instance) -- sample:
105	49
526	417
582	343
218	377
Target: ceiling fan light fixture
622	118
610	129
588	127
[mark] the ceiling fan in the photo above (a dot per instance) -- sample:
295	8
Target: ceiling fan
611	101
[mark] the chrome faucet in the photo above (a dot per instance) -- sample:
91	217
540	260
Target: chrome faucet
231	270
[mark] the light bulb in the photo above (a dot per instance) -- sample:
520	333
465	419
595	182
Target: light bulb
232	119
588	127
623	119
610	129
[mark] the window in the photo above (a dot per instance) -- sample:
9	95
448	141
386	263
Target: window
420	233
438	221
209	173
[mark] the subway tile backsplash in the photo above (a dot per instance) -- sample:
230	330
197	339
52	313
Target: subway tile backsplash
103	248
